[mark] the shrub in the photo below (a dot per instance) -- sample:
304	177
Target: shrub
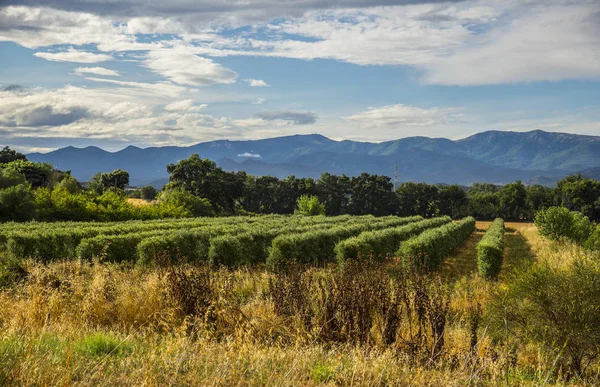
490	250
148	192
195	205
559	223
318	247
309	205
593	242
380	244
188	245
16	204
113	248
12	271
556	307
427	250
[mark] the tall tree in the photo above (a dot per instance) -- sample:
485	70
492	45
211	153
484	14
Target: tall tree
8	155
372	194
334	192
205	179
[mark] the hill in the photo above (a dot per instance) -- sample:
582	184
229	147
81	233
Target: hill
492	156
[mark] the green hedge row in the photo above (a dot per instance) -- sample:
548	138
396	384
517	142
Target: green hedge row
227	244
62	242
381	244
317	247
490	250
427	250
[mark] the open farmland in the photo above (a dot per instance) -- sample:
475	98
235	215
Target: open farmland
268	300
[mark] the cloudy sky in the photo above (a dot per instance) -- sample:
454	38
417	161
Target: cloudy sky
113	73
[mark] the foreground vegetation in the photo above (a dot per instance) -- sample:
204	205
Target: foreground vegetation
370	323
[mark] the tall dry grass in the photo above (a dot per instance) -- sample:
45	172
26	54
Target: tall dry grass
105	324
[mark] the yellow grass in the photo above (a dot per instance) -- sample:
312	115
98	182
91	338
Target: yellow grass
139	202
46	321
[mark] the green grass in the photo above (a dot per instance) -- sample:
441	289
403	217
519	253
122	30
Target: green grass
102	344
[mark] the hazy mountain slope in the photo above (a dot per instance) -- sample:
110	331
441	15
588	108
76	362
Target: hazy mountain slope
492	156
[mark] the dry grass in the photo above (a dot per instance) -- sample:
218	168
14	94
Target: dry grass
139	202
61	325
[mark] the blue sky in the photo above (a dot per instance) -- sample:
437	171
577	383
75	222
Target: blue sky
154	73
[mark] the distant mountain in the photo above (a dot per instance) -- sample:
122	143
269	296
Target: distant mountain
492	156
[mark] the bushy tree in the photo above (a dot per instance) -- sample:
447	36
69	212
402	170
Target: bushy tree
195	205
372	194
579	194
512	200
334	192
10	177
16	203
148	192
452	201
417	199
204	179
309	205
8	155
37	174
70	184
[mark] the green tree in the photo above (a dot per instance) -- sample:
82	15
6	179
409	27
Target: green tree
203	178
452	201
579	194
8	155
334	192
512	201
260	194
417	199
372	194
38	174
16	203
10	178
179	197
309	205
483	201
148	192
116	179
70	184
538	197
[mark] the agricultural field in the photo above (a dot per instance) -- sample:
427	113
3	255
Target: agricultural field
295	300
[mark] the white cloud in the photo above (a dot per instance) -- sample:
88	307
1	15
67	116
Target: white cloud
73	55
160	88
401	115
97	71
251	155
469	42
256	82
116	116
551	44
259	101
184	105
186	68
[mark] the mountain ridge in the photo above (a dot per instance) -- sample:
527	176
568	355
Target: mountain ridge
491	156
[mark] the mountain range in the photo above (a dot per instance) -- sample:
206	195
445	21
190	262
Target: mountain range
492	156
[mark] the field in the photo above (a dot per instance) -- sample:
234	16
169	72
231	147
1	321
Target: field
266	301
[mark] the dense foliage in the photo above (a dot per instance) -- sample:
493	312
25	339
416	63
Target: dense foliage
198	187
490	250
380	244
427	250
558	223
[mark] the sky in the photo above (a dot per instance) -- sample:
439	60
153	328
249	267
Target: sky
155	73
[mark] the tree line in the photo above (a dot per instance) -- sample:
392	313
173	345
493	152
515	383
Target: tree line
198	187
